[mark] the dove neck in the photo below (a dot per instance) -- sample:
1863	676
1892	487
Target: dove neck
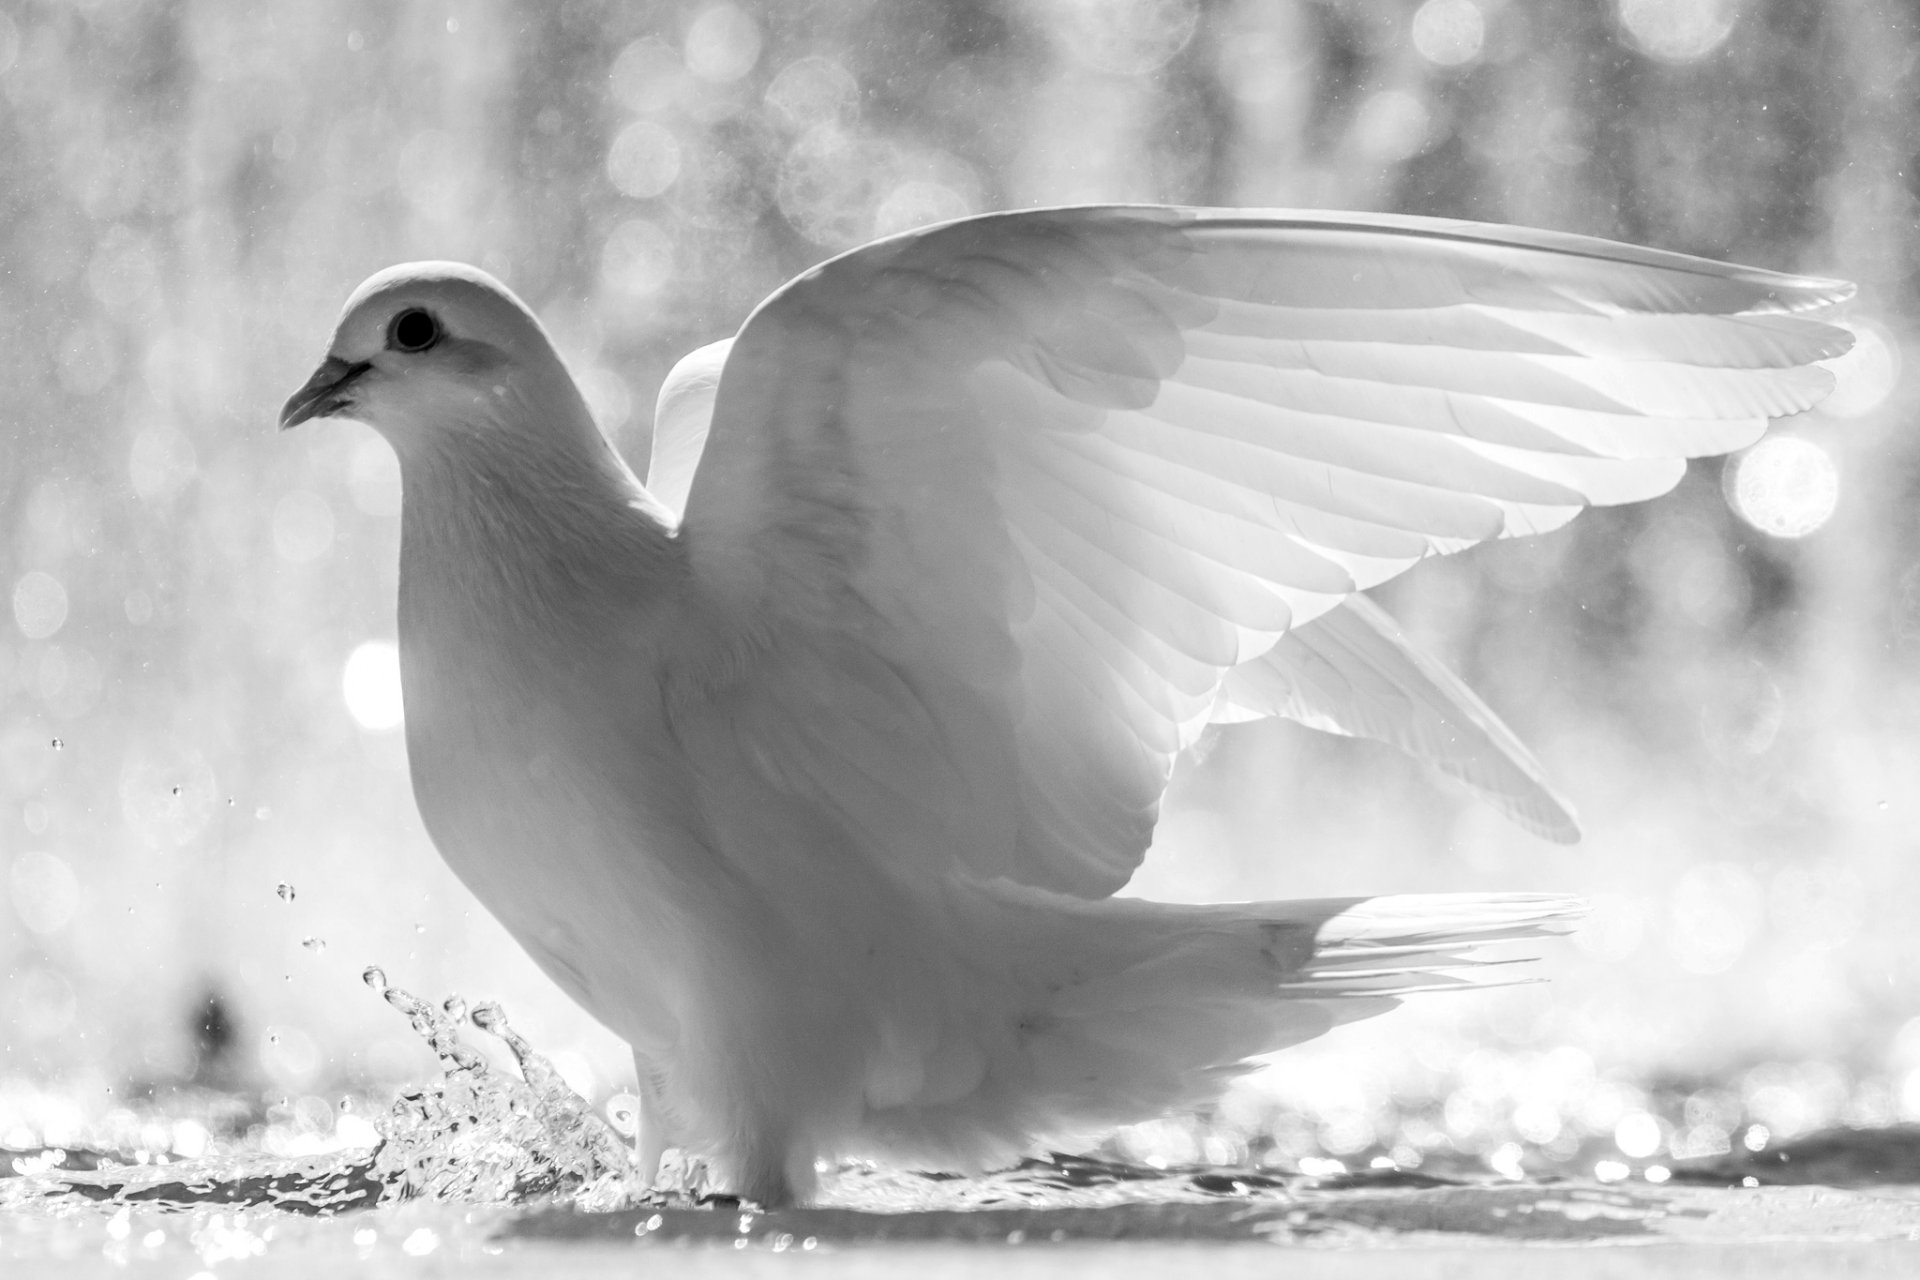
547	529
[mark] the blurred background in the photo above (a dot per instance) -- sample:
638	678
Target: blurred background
206	829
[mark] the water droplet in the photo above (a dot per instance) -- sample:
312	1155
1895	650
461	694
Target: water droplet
58	745
273	1037
623	1113
456	1007
176	791
263	813
109	1088
315	945
488	1016
419	928
230	802
374	976
285	890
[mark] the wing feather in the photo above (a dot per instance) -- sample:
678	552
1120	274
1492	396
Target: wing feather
1354	672
993	517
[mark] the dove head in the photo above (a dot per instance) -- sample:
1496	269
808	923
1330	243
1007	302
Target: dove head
436	354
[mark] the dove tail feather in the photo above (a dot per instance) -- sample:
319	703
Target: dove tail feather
1222	985
1397	946
1142	1008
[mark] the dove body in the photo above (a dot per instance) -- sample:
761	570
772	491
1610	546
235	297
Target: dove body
782	1006
539	596
772	1001
811	766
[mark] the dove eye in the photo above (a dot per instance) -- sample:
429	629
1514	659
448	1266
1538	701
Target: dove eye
413	330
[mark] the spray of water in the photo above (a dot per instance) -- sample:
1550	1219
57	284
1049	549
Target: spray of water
477	1135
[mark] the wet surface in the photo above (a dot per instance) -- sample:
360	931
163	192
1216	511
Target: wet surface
511	1170
315	1216
1836	1158
1163	1209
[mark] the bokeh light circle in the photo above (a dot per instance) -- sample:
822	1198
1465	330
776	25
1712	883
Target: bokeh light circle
39	605
644	160
1784	486
1123	37
1449	33
1678	30
723	44
647	76
813	91
45	891
370	683
830	184
1637	1135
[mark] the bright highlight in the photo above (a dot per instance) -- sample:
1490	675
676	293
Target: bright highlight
1784	486
370	683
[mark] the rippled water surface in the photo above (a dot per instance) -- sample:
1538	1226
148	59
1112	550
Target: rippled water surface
492	1168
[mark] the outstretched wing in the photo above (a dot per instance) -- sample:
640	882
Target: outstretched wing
989	511
1351	671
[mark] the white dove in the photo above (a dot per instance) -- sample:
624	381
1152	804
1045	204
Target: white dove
810	770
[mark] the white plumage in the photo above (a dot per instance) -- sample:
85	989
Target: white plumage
810	771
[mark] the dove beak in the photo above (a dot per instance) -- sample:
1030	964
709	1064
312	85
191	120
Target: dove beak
325	393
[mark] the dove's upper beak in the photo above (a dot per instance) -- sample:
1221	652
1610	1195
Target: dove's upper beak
325	392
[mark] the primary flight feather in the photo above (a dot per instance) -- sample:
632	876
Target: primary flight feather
809	767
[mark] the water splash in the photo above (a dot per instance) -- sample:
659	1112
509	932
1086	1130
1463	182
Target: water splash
484	1136
475	1136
